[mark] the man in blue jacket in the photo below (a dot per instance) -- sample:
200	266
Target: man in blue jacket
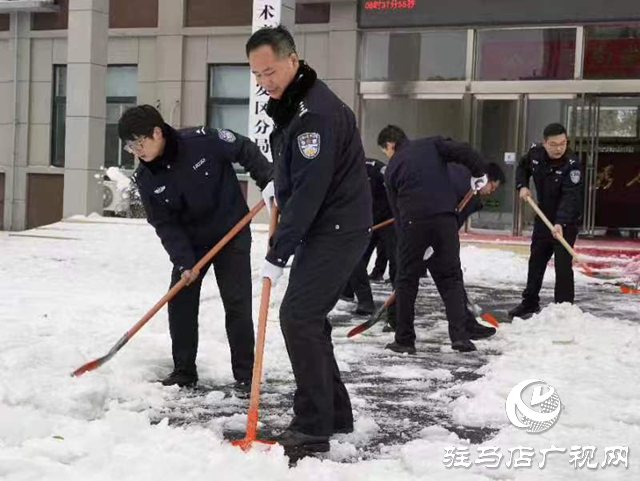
325	204
557	175
192	198
423	201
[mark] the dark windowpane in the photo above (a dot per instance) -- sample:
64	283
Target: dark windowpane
228	106
392	56
612	52
218	13
58	115
136	14
537	54
5	22
313	13
52	21
114	154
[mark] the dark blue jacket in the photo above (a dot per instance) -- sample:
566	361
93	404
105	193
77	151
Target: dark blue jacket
418	181
320	175
558	184
191	193
461	179
381	208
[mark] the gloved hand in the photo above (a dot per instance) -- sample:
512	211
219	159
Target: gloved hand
268	193
190	275
478	183
428	253
271	271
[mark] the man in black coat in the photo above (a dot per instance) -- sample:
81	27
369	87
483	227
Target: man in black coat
460	179
557	175
323	196
192	198
384	238
383	241
423	201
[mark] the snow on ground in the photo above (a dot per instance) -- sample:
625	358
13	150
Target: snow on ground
70	290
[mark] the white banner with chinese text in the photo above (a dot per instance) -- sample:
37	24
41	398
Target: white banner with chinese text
266	13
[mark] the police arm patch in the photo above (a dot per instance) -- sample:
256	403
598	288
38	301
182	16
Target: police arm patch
574	175
309	144
226	135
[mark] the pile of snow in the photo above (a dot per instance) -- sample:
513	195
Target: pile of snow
66	300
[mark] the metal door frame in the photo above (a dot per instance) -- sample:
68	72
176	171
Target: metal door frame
585	136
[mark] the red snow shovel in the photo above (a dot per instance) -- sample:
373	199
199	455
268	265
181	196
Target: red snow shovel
254	401
96	363
376	316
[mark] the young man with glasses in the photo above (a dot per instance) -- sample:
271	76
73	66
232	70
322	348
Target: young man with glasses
192	198
557	175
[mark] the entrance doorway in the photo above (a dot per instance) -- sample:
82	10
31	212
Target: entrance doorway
606	134
496	133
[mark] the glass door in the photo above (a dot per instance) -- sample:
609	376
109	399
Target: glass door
496	133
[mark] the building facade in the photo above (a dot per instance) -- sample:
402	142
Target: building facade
491	76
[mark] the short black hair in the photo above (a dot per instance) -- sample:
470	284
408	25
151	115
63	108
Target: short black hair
139	121
279	38
495	173
391	133
554	129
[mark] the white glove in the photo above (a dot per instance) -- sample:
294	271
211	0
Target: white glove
428	253
478	183
268	193
271	271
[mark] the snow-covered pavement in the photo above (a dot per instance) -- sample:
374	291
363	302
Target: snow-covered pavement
68	291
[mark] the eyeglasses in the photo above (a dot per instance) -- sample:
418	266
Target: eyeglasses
553	145
133	146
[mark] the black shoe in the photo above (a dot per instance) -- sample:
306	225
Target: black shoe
343	429
181	378
375	277
399	348
347	298
478	331
296	441
365	308
388	328
523	311
463	346
242	386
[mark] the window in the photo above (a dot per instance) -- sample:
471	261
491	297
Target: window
229	88
218	13
612	52
392	56
5	22
58	115
138	14
52	20
313	13
122	93
536	54
122	87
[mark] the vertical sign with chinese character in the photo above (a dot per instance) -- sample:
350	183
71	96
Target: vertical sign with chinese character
266	13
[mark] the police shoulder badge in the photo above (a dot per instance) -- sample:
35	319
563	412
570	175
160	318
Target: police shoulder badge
574	175
226	135
309	144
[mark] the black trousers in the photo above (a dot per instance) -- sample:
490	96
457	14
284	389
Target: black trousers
358	283
232	267
384	242
543	246
321	267
441	233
